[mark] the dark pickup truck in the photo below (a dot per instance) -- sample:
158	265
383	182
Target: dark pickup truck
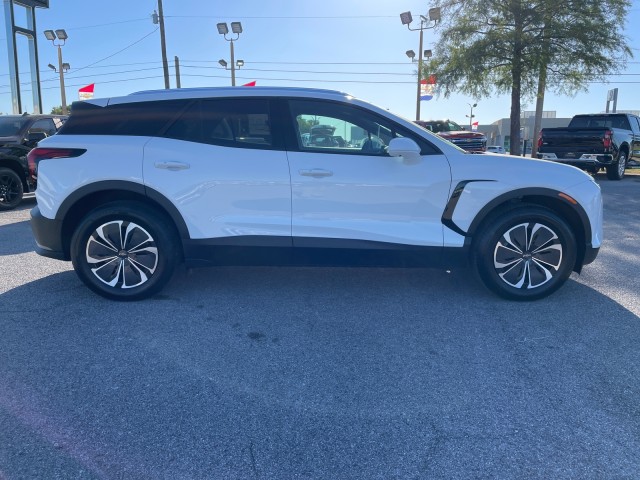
591	142
18	135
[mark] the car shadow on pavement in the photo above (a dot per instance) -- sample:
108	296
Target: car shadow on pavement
14	240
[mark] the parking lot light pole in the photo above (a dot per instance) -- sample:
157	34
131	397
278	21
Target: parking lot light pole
62	36
425	24
471	115
236	29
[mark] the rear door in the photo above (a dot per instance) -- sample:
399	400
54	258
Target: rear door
225	170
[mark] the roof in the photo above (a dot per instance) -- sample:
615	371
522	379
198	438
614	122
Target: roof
213	92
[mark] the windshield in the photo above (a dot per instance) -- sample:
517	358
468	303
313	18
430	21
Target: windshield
10	126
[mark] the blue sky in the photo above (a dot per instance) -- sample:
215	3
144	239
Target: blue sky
356	46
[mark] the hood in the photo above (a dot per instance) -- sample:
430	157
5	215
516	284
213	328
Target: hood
531	172
461	134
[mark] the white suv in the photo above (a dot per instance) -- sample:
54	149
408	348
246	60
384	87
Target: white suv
132	186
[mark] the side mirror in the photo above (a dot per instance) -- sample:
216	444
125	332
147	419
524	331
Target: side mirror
405	148
34	137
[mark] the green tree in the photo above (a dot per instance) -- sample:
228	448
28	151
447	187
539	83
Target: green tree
305	125
524	47
57	110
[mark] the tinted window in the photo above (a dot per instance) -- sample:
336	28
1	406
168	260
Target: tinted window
138	119
341	128
12	125
45	125
600	122
235	122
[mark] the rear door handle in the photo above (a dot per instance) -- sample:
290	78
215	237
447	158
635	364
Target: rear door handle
316	173
173	166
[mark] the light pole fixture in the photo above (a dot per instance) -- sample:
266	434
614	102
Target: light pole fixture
223	63
471	115
236	29
425	23
61	36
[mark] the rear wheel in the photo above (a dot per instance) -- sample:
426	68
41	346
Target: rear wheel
616	170
525	254
124	251
11	189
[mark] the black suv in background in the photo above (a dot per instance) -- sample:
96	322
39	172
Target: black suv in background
18	135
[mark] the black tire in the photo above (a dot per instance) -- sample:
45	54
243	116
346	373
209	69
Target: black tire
11	189
125	251
525	254
616	170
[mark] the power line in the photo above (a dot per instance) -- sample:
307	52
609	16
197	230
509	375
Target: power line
119	51
285	17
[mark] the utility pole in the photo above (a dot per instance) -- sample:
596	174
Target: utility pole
165	64
176	61
63	94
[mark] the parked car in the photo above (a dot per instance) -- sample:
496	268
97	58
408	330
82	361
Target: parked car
189	181
18	135
496	149
593	142
465	139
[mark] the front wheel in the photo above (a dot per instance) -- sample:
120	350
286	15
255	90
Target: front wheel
124	251
525	254
616	170
11	189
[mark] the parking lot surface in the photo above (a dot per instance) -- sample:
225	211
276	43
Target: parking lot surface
319	373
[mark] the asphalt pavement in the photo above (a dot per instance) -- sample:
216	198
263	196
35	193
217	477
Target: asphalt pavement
322	373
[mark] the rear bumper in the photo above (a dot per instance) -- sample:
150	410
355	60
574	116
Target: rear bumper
48	236
585	160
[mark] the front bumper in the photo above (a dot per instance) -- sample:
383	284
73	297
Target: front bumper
48	235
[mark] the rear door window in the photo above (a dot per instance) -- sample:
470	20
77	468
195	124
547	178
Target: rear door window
234	122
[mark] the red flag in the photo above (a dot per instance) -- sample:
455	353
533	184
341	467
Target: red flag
250	84
85	93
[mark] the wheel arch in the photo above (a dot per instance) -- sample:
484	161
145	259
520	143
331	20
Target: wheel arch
83	200
558	202
18	169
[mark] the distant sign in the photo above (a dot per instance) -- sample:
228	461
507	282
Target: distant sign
33	3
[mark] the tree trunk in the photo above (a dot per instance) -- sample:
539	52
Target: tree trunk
542	85
516	88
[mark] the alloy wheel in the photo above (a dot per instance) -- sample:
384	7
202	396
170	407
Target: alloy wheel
528	255
122	254
622	164
10	189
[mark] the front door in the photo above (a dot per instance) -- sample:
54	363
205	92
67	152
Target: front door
345	186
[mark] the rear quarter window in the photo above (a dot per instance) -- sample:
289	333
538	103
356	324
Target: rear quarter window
132	119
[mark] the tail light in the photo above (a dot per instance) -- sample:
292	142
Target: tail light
607	140
540	140
37	154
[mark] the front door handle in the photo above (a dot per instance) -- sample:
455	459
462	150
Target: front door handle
316	173
173	166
